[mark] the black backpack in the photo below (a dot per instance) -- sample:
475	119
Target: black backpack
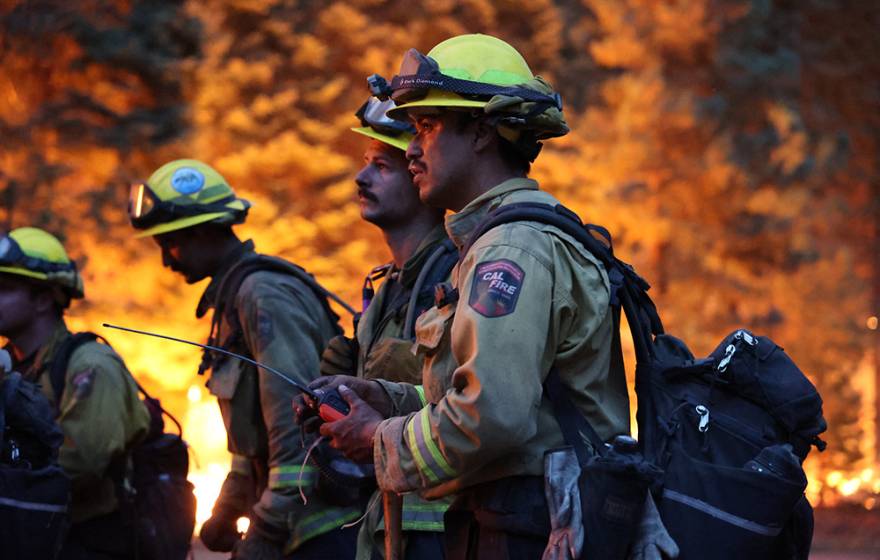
34	491
155	494
729	431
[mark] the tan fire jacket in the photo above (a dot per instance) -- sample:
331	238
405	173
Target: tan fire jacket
284	326
100	414
530	298
385	354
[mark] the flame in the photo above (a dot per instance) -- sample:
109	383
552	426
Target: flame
207	436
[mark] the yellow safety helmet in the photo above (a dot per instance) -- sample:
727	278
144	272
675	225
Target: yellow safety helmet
37	254
377	125
181	194
463	71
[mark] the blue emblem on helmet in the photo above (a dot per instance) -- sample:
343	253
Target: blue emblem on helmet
187	180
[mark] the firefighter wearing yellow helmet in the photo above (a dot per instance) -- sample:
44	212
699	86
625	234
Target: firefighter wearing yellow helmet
273	312
524	298
37	282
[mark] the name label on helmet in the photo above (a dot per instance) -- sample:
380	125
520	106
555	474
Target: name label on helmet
187	180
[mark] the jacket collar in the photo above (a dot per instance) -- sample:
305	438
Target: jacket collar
461	224
234	257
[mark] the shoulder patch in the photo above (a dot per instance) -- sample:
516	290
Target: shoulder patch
83	382
495	289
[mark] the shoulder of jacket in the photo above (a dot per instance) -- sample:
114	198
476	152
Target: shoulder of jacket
272	284
94	354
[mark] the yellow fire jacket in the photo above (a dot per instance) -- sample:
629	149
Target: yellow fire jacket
100	414
284	326
530	298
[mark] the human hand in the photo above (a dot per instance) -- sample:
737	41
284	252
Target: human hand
353	434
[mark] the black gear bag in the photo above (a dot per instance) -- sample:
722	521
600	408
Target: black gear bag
154	493
34	491
730	431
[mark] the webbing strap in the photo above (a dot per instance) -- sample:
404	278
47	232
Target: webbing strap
572	423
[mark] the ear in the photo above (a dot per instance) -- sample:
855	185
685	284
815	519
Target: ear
43	301
485	135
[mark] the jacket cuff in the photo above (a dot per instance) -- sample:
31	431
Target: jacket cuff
387	445
405	398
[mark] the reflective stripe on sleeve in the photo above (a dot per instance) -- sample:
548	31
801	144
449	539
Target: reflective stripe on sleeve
287	476
319	523
421	391
427	456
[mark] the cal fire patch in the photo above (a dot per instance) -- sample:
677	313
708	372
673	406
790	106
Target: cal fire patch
496	288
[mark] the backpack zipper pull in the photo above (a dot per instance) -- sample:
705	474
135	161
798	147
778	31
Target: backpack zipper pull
728	354
704	418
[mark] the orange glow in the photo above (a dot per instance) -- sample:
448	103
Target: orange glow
743	206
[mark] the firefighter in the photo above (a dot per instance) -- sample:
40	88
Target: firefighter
422	256
272	312
523	298
37	283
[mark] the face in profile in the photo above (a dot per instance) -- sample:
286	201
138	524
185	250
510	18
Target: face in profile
440	156
17	304
183	252
385	191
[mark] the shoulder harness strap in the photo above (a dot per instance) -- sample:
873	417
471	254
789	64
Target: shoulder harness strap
224	303
628	292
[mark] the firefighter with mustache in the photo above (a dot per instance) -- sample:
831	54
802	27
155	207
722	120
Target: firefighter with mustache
272	312
422	256
37	283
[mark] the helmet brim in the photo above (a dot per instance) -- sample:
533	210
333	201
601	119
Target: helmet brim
436	98
23	272
182	223
400	142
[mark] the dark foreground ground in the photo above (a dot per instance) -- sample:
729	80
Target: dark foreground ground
846	533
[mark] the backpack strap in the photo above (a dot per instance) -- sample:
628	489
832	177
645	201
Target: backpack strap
572	423
628	292
628	289
224	302
61	359
435	270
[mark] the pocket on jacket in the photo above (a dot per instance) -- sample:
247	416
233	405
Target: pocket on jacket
431	328
224	378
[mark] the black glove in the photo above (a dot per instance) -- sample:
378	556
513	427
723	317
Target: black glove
340	357
219	532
